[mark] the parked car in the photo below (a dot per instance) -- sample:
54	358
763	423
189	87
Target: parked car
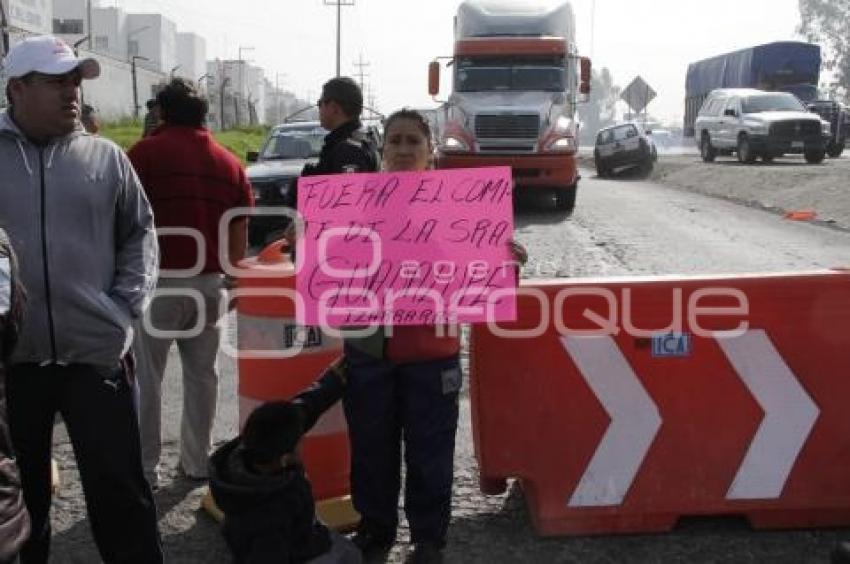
276	167
275	171
754	123
623	145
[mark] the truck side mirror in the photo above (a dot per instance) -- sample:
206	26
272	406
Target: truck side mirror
434	78
730	113
586	67
252	156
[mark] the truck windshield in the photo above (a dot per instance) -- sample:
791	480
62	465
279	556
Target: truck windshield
772	103
501	74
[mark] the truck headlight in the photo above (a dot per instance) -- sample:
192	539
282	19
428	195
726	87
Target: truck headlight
563	123
454	144
562	145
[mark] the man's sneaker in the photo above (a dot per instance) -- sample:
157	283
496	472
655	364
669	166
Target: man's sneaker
841	553
425	553
372	540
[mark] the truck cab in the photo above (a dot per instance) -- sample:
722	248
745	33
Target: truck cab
516	82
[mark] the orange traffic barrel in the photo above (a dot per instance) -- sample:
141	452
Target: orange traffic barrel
277	358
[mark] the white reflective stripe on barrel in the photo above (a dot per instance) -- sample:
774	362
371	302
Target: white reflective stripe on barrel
331	423
280	337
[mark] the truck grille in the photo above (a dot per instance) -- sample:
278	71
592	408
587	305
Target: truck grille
488	126
795	129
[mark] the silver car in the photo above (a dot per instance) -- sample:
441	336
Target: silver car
623	145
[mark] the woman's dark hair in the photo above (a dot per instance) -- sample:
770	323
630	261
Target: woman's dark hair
412	115
181	104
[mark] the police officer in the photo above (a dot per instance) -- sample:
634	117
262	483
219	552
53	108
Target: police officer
347	148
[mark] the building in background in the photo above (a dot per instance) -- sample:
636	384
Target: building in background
28	17
154	37
255	95
23	18
70	20
110	32
191	56
239	93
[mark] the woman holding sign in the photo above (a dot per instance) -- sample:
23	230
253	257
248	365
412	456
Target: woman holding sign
404	387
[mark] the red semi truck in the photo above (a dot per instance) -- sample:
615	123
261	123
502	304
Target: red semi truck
517	78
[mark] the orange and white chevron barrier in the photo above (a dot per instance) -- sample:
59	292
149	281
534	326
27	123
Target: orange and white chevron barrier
623	405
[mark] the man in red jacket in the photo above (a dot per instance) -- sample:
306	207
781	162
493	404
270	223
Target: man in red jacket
191	182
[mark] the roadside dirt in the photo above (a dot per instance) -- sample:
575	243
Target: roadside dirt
786	185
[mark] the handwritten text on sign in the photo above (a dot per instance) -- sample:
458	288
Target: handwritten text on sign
410	248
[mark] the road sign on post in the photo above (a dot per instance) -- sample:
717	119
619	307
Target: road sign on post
638	94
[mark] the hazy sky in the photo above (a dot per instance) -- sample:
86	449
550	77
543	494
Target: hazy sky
655	39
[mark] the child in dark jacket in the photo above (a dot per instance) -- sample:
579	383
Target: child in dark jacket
258	481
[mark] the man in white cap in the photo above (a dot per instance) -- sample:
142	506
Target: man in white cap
83	230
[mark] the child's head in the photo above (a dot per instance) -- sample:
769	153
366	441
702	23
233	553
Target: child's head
271	434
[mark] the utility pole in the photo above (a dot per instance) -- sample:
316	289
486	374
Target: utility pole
361	64
4	30
339	4
135	86
88	25
241	80
224	82
277	97
592	26
371	100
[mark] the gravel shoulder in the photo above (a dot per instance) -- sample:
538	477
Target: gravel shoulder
788	184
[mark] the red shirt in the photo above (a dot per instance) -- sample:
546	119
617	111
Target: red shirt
191	181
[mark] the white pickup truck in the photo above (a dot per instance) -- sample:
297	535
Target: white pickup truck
755	123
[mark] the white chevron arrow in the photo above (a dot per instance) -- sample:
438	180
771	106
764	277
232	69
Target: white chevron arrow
634	421
789	416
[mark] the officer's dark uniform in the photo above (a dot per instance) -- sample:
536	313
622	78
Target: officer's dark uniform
346	149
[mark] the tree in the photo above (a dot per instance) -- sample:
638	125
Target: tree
600	110
827	22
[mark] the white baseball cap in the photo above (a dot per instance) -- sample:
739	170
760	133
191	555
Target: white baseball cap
47	55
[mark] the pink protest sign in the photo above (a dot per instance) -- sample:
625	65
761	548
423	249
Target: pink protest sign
409	248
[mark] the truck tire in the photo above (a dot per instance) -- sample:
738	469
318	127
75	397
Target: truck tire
835	149
565	198
815	156
745	151
706	151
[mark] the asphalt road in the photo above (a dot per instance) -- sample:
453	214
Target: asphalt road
623	226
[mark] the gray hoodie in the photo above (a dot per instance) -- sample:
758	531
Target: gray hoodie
83	231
